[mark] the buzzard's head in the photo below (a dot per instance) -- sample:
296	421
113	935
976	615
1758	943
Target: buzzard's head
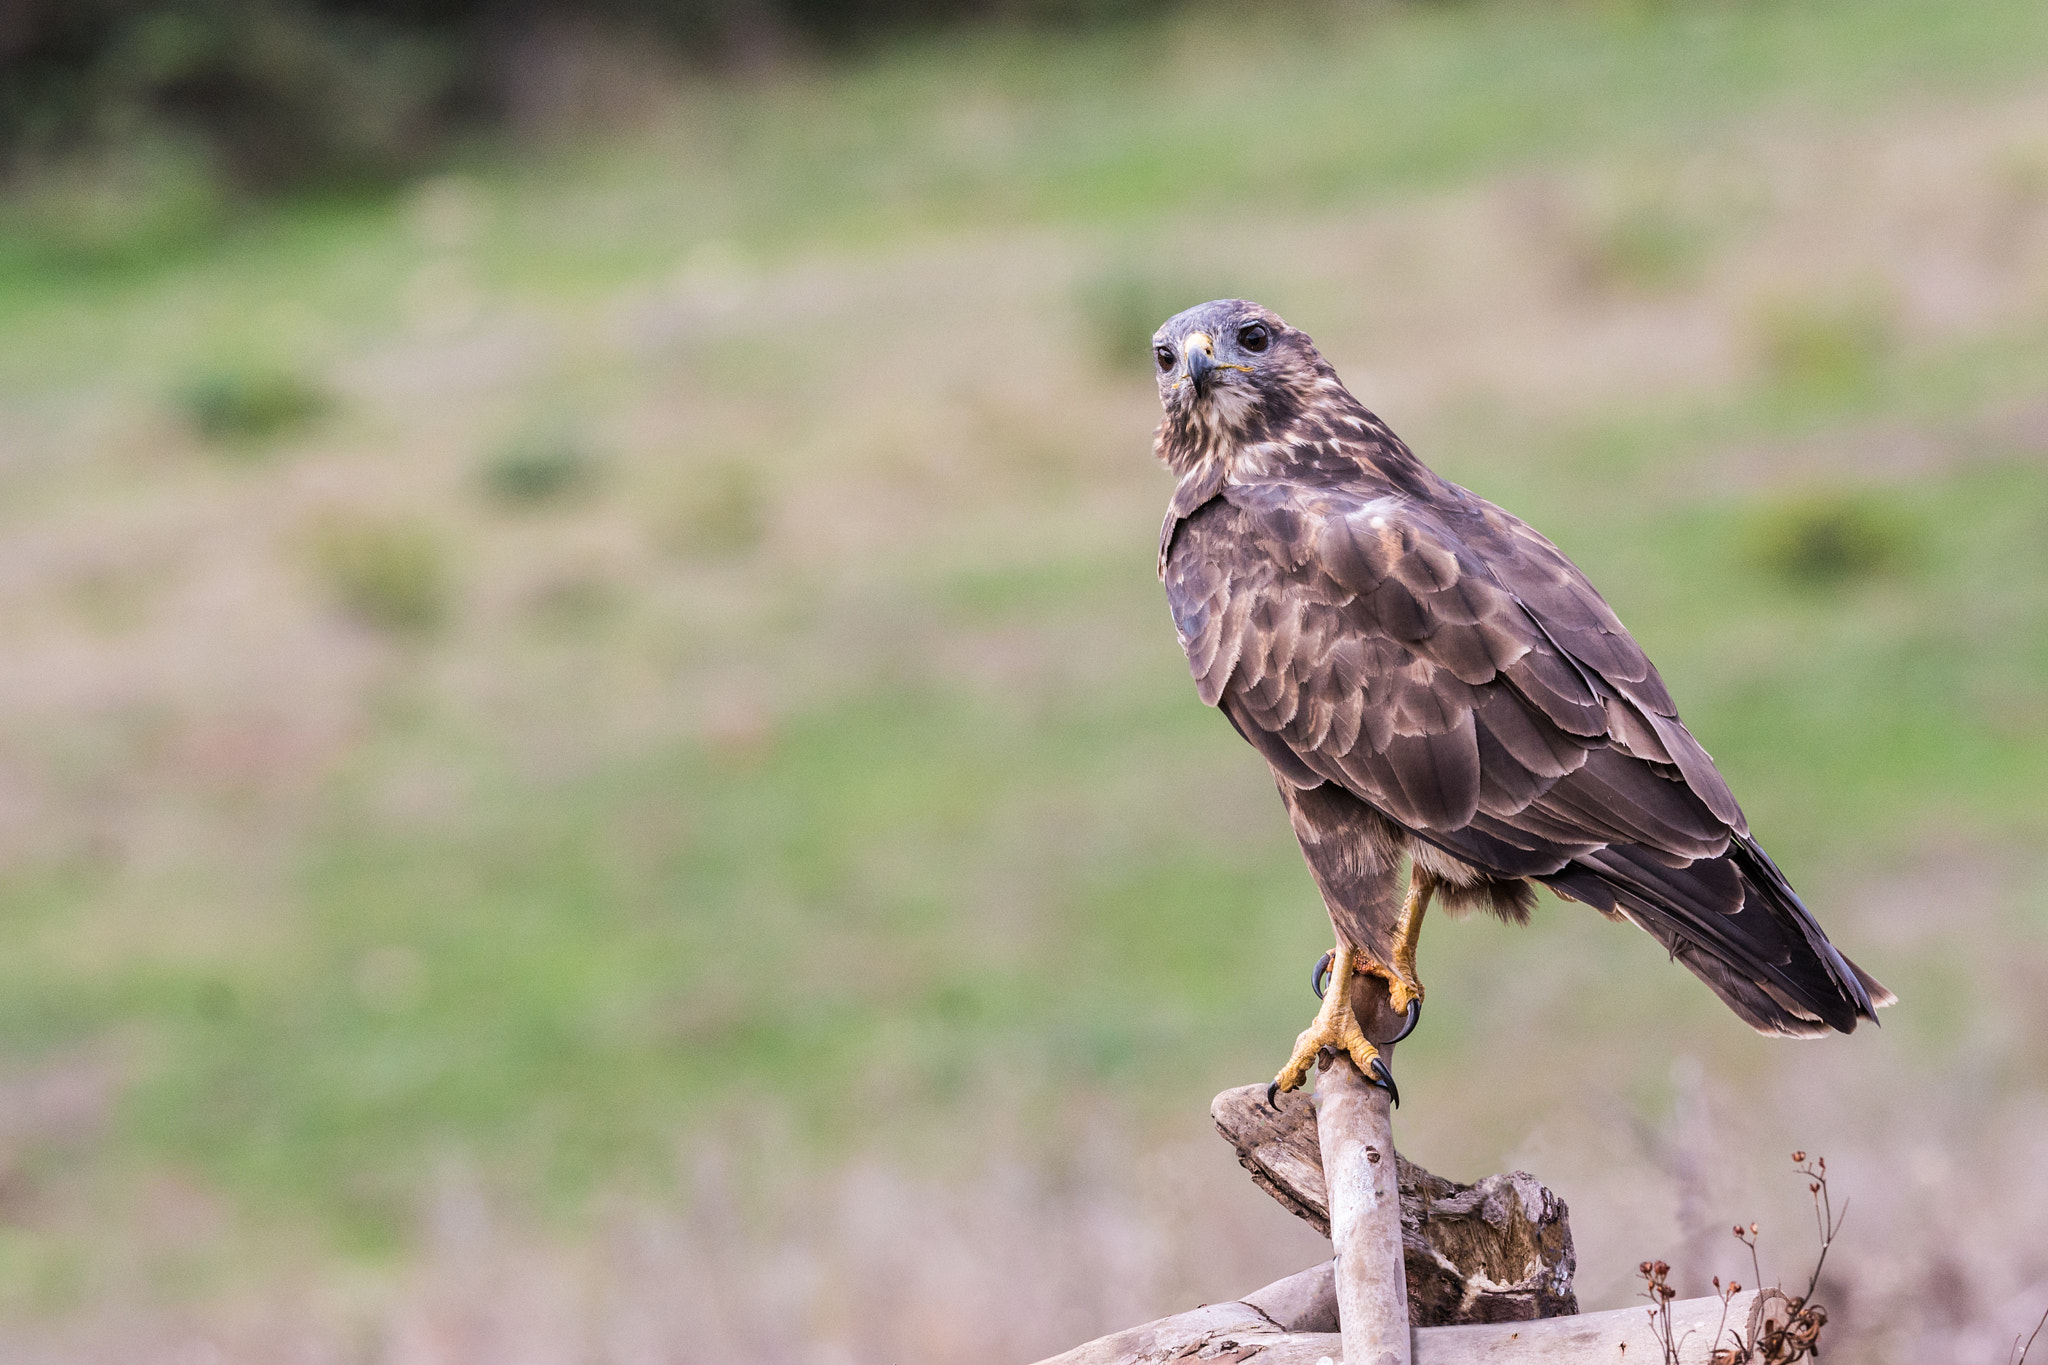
1229	372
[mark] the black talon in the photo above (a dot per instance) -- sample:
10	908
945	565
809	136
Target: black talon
1407	1025
1378	1074
1272	1091
1319	975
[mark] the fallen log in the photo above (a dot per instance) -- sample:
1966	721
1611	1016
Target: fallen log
1293	1322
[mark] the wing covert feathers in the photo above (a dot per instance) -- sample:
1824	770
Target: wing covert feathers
1450	670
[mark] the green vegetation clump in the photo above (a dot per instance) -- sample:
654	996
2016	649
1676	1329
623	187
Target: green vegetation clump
245	407
1830	538
723	515
129	203
1648	247
1825	346
540	467
285	95
388	573
276	94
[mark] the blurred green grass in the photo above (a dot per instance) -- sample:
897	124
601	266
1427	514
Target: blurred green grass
920	886
605	962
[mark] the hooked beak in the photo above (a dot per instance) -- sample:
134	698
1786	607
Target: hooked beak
1201	353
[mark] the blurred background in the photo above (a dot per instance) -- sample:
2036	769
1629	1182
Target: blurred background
593	769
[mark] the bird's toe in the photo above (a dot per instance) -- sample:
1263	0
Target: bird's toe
1411	1017
1380	1076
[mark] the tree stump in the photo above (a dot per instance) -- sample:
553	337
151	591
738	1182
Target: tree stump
1496	1251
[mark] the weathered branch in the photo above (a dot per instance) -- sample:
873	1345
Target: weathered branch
1299	1310
1355	1128
1291	1322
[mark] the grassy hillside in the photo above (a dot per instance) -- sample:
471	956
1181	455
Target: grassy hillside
654	644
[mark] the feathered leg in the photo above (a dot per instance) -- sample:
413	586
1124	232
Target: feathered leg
1404	987
1354	856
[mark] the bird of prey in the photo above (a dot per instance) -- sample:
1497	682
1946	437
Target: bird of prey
1429	678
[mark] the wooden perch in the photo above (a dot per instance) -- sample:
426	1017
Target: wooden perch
1428	1271
1355	1134
1497	1255
1497	1251
1491	1261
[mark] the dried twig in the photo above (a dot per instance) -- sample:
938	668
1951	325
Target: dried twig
1826	1222
2021	1358
1659	1292
1727	1295
1781	1328
1792	1332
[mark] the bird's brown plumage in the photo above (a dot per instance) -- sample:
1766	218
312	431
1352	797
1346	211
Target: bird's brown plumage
1427	674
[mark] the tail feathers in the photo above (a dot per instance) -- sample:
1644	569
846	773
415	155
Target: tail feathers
1754	1002
1766	1000
1764	883
1880	996
1758	949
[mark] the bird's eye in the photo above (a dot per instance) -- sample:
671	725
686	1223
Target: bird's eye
1164	355
1254	336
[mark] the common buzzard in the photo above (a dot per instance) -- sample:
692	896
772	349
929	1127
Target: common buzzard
1429	677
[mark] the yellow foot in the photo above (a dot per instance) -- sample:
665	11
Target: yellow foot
1336	1026
1403	989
